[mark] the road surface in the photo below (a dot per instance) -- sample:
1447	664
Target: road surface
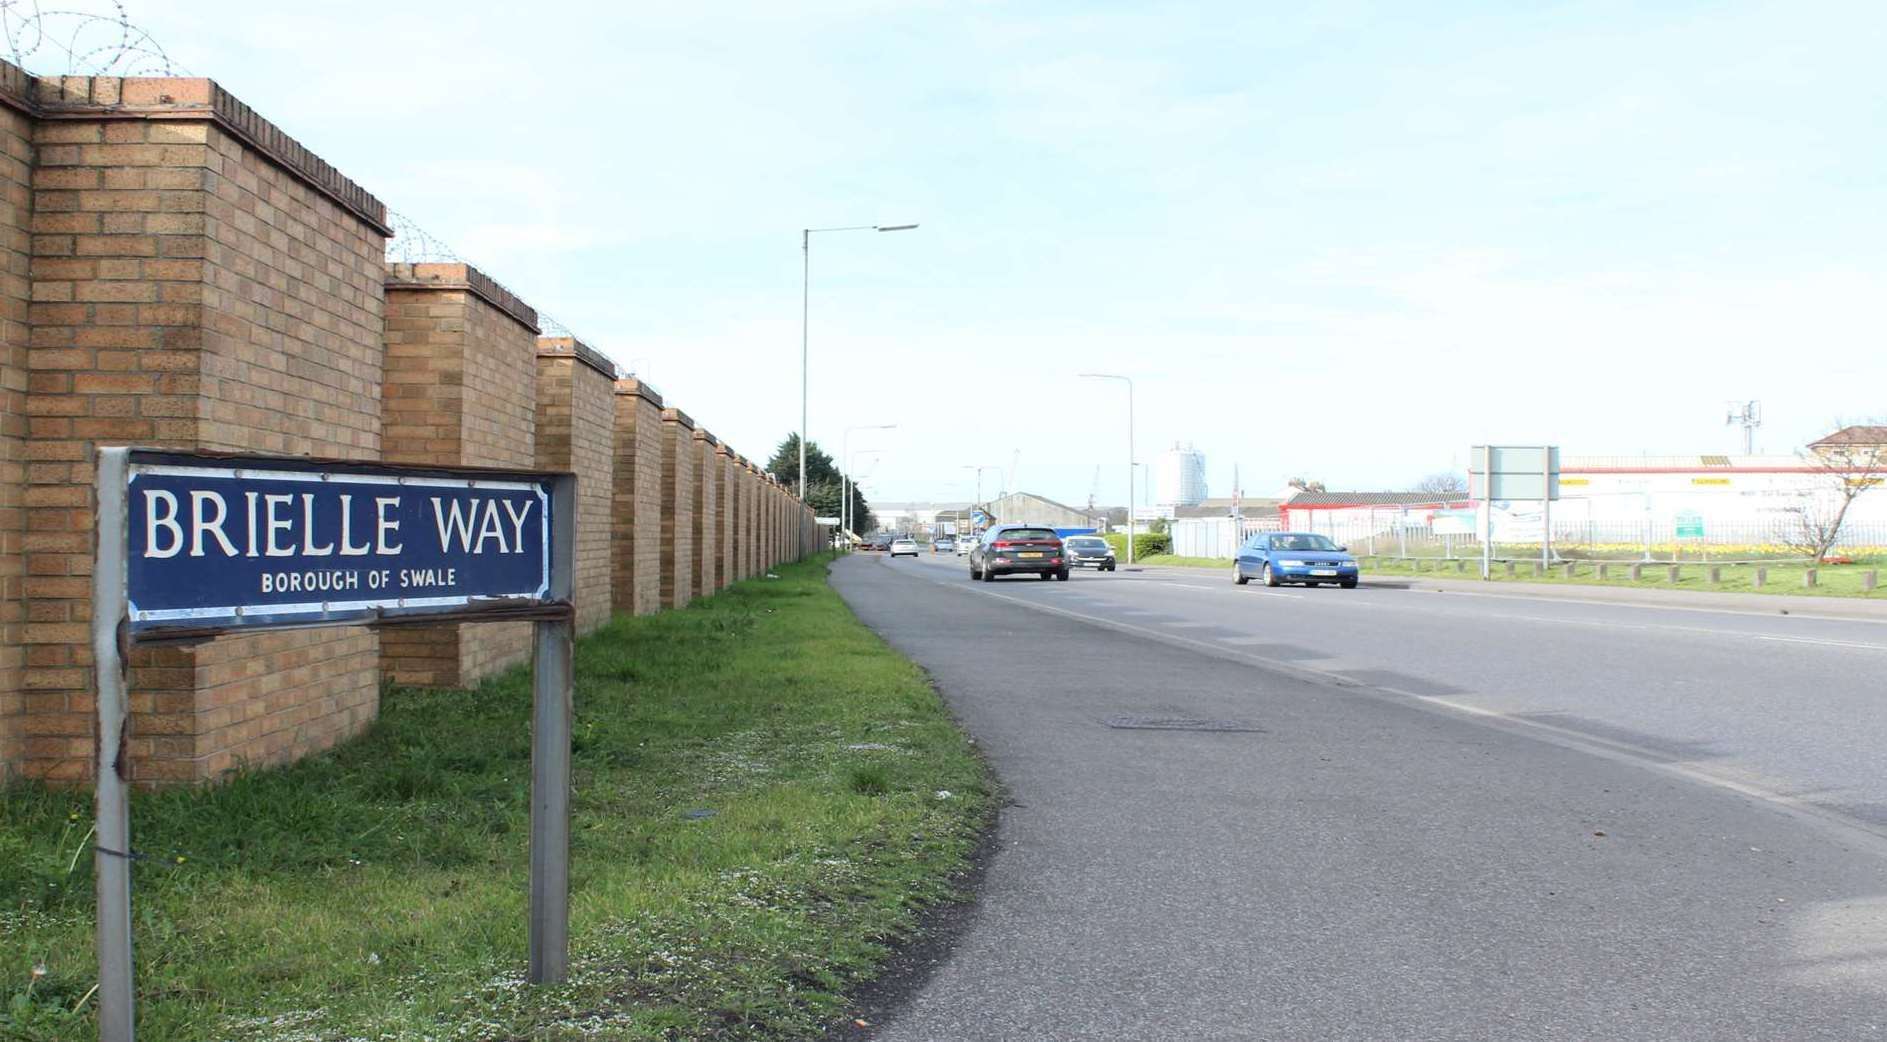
1382	814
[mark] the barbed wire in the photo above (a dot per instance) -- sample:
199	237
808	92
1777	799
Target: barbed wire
81	43
412	244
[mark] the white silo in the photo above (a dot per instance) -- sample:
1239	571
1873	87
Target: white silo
1179	479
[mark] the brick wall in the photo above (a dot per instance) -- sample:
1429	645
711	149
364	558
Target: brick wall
636	513
704	536
199	281
16	216
576	416
677	507
460	390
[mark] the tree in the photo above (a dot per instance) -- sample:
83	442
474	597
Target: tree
822	482
1442	483
1846	465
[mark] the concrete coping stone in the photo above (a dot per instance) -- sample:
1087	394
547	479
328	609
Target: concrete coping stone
702	434
571	347
629	385
456	275
674	415
189	98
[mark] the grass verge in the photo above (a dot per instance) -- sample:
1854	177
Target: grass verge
1179	561
760	810
1831	580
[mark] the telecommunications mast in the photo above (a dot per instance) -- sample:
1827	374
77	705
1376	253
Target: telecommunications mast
1750	416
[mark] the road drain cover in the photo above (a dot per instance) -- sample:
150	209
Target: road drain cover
1177	723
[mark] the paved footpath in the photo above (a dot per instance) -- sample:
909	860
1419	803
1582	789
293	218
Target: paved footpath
1201	846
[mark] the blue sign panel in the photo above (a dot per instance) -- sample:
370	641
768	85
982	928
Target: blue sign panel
225	544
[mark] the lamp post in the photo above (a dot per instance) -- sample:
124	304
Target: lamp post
979	480
845	459
870	454
805	311
1130	452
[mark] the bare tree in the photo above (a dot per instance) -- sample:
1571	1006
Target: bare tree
1442	482
1846	465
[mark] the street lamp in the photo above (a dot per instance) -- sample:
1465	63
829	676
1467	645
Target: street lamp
1130	452
845	460
805	310
979	480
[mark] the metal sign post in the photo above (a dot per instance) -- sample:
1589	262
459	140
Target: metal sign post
1510	472
191	546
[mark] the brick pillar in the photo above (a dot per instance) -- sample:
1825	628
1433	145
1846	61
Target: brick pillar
576	416
677	507
200	281
727	493
705	536
16	229
461	391
636	515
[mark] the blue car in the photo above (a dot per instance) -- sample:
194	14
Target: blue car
1294	557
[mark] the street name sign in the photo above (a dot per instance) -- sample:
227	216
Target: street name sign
219	544
192	545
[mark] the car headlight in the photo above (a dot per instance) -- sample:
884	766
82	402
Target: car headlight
1346	564
1293	564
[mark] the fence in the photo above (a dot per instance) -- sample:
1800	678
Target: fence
1426	532
1218	537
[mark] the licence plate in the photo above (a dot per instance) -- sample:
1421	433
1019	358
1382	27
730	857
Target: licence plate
1323	571
1030	553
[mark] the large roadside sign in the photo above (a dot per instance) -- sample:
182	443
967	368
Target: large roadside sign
223	544
194	545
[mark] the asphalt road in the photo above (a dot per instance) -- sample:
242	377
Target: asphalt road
1384	814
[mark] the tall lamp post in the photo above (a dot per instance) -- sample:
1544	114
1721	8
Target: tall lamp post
1130	452
805	311
845	460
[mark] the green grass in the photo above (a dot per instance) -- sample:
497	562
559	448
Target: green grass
1178	561
378	892
1842	580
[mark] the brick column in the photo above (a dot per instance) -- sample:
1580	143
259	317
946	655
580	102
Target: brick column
200	282
16	291
636	514
727	492
705	536
677	507
461	390
576	417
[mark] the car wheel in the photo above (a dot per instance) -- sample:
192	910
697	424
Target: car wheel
1270	577
1110	567
1042	576
1349	584
1062	576
975	572
989	574
1238	574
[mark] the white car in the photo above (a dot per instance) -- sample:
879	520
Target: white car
903	547
963	545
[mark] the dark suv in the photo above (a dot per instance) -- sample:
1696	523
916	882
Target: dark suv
1089	551
1018	549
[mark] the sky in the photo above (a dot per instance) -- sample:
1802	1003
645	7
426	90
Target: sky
1340	241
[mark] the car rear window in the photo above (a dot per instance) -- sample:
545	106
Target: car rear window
1026	533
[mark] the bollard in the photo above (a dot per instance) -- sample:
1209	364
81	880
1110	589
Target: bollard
1867	580
1510	568
1715	572
1539	569
1605	571
1461	565
1670	575
1760	578
1808	578
1570	569
1637	572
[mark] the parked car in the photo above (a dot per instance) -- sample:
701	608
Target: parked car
943	545
1018	549
1294	557
1089	551
903	546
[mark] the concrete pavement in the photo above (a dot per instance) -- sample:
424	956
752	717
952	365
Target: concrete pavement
1216	837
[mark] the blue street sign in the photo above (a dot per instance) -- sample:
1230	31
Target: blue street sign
233	544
